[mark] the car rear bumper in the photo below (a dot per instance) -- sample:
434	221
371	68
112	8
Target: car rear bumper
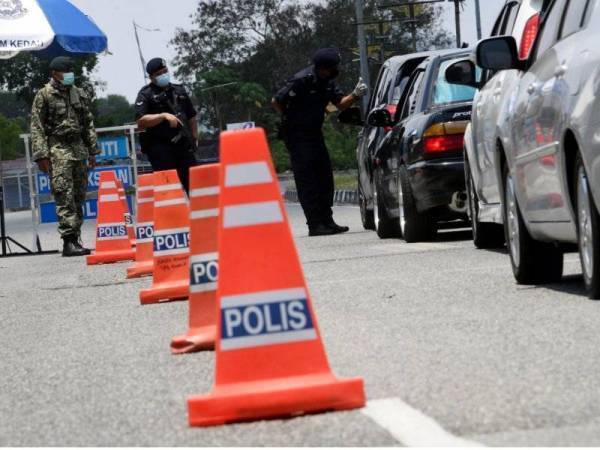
435	183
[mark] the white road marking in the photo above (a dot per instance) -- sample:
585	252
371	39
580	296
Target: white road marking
411	427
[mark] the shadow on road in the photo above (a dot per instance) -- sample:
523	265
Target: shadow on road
570	284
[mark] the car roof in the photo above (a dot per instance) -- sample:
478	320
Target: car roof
399	60
444	53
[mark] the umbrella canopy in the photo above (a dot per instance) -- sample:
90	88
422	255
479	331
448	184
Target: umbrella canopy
50	27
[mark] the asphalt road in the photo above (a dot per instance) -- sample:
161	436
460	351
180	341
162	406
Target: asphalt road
440	327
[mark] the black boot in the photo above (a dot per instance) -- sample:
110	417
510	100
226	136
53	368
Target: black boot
79	244
321	229
338	228
72	248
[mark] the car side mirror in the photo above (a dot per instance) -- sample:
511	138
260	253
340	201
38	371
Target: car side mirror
498	53
351	116
463	73
380	117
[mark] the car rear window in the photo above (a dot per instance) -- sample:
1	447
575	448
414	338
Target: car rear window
444	92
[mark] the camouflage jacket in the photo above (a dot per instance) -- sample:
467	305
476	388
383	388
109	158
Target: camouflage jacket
62	124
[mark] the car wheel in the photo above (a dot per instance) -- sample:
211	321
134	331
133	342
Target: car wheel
414	226
588	222
366	215
532	261
485	235
385	226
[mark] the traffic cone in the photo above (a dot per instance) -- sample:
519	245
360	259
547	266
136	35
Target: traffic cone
270	361
144	229
171	279
127	214
112	242
204	199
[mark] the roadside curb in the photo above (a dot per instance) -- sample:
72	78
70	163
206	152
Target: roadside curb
343	197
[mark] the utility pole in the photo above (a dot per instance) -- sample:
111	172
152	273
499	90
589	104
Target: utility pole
362	46
457	20
478	19
137	39
413	26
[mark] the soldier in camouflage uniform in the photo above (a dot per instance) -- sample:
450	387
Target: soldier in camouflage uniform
64	143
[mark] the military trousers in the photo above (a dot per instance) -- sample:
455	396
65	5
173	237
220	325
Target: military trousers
69	180
313	174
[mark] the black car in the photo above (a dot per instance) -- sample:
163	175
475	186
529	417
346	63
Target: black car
391	84
418	166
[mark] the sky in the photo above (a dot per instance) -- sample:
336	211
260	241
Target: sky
122	70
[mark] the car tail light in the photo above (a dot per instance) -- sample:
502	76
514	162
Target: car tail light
445	137
529	34
392	110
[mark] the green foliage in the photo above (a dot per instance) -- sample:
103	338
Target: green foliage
11	146
258	44
113	111
26	73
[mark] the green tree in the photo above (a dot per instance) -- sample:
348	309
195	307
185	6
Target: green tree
11	146
112	111
26	73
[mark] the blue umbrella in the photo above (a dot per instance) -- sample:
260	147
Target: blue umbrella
49	28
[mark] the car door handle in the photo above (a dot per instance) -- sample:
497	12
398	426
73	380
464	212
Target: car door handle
497	92
561	70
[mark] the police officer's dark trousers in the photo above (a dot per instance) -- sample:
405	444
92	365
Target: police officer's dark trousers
168	156
313	175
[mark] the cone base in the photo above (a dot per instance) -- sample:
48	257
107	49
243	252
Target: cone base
139	270
196	340
276	398
165	292
110	257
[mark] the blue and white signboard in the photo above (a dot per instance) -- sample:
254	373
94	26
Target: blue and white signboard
240	126
123	173
113	148
90	210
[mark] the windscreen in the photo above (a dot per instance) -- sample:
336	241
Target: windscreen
444	92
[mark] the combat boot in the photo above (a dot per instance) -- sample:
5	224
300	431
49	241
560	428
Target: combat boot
72	248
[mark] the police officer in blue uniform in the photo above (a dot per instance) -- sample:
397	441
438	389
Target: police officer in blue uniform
166	114
302	103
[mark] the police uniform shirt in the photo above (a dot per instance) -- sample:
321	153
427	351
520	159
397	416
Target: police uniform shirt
149	101
304	99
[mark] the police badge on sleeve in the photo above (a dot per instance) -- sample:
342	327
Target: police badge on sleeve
12	9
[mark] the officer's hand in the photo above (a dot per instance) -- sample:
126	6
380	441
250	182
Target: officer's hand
44	165
92	161
174	122
361	89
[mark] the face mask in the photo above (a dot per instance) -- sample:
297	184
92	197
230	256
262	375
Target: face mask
68	79
162	80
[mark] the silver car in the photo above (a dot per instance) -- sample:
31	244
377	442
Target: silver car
520	19
549	162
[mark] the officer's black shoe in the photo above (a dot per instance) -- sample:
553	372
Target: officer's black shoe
324	230
72	248
79	244
339	228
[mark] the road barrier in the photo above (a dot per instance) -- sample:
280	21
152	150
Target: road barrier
204	199
127	215
144	229
112	241
341	197
270	359
171	241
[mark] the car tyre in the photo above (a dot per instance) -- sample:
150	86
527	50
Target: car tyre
588	222
485	235
533	262
367	216
414	226
385	226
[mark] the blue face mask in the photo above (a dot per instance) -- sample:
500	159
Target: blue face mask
163	80
68	79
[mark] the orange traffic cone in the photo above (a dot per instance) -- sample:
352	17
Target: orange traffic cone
270	360
204	199
127	215
171	279
144	229
112	242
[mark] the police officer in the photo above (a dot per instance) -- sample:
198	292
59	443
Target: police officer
63	141
302	103
164	110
